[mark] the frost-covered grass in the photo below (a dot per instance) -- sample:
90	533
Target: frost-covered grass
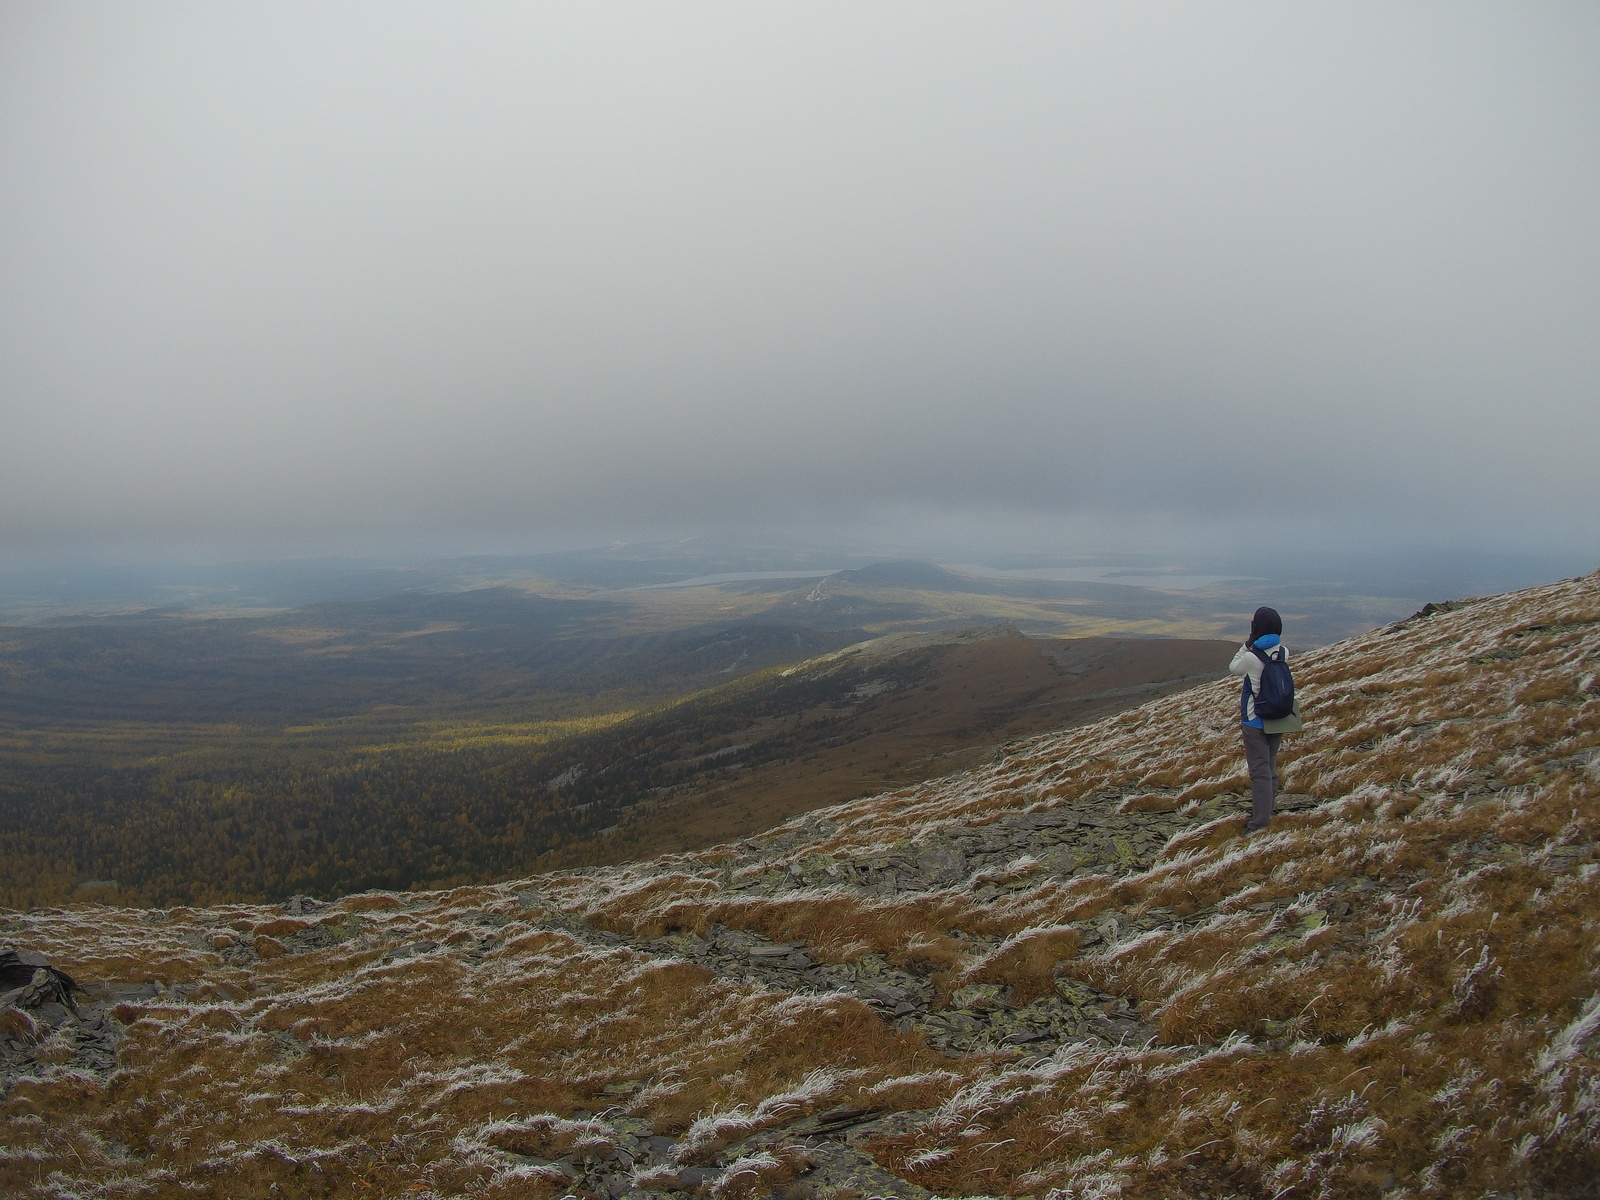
1395	992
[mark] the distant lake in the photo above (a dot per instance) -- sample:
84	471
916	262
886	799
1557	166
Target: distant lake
735	577
1175	581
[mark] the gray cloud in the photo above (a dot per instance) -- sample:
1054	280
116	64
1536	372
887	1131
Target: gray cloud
318	269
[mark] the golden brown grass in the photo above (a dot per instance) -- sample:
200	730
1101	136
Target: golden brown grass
1393	993
1027	963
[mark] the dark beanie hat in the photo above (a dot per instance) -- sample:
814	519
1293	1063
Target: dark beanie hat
1264	622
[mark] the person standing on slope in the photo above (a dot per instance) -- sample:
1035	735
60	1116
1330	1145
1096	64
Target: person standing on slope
1260	747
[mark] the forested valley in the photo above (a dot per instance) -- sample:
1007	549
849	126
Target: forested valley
428	740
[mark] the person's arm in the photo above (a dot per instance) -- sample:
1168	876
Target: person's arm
1245	662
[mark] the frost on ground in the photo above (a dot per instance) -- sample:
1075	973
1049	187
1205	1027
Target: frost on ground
1062	974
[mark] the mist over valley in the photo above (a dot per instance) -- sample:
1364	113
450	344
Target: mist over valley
643	602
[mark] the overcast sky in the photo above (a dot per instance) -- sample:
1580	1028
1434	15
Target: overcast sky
296	273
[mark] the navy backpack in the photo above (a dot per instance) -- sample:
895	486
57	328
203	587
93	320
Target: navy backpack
1275	696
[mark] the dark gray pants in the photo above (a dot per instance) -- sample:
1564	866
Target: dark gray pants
1261	754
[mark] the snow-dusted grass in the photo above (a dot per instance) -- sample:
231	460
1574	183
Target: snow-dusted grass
1439	1036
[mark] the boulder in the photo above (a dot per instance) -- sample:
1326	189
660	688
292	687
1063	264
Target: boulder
32	983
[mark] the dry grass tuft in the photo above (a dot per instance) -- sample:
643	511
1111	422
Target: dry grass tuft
1027	963
549	1136
1153	802
281	927
763	1173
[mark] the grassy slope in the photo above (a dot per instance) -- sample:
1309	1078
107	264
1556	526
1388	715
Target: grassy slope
941	711
1438	1036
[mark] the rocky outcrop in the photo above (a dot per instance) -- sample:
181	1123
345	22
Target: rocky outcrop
48	1020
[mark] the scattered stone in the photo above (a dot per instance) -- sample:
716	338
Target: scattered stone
942	866
1016	850
843	1168
983	996
32	982
769	952
621	1157
322	934
52	1024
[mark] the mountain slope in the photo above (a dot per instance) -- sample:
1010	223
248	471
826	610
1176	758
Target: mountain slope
1062	972
178	815
885	713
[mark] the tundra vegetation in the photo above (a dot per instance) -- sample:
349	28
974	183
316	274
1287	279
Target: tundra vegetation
1059	972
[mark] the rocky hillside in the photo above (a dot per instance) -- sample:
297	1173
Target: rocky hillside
1062	973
